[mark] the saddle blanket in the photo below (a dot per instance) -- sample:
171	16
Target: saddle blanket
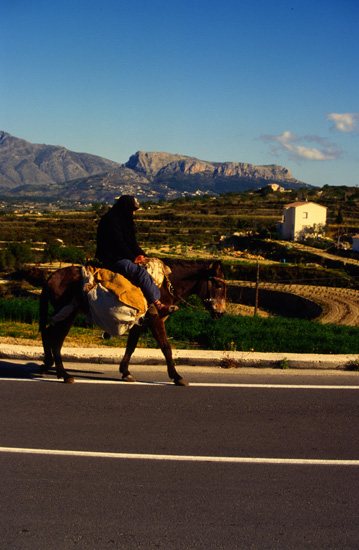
115	303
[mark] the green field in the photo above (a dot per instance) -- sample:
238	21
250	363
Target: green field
191	327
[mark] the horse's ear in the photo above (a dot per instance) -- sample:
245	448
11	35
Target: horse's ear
217	268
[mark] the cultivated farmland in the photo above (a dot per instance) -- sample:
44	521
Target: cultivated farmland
238	228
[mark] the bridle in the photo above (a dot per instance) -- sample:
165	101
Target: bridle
209	284
207	300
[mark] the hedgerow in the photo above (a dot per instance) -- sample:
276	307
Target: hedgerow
262	334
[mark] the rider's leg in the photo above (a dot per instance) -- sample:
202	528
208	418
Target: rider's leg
140	277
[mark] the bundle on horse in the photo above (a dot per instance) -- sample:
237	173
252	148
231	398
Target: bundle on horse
64	290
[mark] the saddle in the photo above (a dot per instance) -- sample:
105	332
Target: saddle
115	303
126	292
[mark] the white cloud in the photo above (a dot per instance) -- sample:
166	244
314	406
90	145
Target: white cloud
344	122
294	147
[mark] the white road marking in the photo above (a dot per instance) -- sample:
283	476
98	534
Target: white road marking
281	386
193	384
182	458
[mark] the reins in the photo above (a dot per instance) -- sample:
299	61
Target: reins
174	292
187	303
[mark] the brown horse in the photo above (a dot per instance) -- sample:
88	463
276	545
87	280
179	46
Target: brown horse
64	287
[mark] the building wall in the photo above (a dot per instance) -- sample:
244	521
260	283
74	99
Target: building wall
356	243
297	217
288	224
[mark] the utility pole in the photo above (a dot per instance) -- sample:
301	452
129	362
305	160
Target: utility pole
257	284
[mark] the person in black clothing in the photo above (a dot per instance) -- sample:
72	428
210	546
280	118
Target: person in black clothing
118	250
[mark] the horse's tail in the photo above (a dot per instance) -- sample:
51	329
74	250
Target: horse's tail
44	305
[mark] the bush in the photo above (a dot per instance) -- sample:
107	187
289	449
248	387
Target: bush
262	334
15	255
230	332
19	309
26	310
68	254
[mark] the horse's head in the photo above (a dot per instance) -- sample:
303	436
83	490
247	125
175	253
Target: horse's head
213	291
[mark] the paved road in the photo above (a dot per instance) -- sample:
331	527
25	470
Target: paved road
240	459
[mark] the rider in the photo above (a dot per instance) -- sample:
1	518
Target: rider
118	250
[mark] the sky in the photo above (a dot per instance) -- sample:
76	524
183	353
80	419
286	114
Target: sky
232	80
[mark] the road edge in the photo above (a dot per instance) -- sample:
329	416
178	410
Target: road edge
150	356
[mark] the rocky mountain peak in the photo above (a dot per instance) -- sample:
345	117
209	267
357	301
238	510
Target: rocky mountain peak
159	165
151	163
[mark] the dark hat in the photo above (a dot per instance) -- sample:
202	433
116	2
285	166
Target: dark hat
128	202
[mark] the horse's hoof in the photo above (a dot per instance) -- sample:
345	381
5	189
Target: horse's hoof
181	382
129	378
45	367
69	380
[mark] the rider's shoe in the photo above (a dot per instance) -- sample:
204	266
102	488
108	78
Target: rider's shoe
164	310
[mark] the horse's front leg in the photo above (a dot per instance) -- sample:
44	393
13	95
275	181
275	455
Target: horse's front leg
157	326
132	340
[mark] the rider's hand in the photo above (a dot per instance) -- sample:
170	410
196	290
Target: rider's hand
139	259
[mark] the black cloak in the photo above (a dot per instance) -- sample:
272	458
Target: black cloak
116	238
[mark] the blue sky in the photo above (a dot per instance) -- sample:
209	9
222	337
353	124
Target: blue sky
243	81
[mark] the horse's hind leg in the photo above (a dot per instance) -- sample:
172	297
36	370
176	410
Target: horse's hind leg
56	336
132	340
159	332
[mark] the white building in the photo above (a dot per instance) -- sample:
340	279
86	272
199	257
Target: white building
298	217
355	243
275	187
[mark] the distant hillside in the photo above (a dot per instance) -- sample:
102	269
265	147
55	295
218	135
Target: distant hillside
25	163
34	171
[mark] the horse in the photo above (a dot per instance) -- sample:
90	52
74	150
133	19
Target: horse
64	287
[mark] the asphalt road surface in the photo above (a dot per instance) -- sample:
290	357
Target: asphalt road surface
240	459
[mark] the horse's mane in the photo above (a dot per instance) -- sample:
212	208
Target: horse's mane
188	269
173	262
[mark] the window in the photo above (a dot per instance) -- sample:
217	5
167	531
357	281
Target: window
305	214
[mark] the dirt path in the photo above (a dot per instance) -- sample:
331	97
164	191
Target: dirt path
323	254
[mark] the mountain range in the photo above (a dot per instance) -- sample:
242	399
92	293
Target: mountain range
52	173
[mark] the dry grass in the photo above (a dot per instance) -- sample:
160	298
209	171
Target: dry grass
245	311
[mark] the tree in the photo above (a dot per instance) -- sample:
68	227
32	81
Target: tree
99	208
16	255
339	218
68	254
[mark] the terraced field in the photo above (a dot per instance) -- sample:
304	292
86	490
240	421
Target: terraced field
339	305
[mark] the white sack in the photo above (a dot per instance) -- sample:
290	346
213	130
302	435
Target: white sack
113	316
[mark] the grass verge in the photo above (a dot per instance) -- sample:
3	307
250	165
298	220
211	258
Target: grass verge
193	328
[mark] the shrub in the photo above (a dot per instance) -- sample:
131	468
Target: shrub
262	334
230	332
19	309
15	255
26	310
69	254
